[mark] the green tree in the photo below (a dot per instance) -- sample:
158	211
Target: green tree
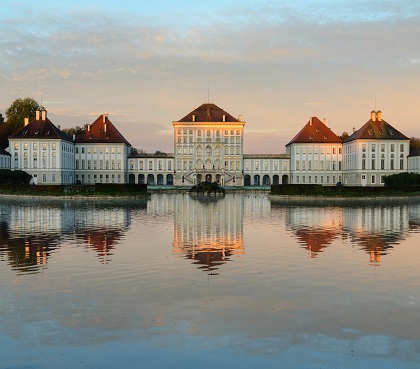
344	135
74	130
1	118
19	110
16	114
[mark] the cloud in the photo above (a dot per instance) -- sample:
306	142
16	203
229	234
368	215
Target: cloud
265	60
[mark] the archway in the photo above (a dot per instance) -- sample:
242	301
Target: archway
247	180
141	178
266	180
169	179
276	179
131	179
160	179
208	178
199	178
256	180
285	179
218	178
151	179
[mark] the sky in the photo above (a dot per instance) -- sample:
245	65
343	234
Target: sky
276	63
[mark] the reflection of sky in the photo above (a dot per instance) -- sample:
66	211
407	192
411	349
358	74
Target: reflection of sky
263	307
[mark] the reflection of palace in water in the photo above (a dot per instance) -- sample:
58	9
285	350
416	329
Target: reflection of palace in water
209	232
315	228
29	233
375	229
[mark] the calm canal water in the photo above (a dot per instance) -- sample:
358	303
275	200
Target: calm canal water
240	281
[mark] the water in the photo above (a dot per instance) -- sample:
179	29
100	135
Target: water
240	281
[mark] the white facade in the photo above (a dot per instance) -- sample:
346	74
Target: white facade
4	159
265	169
374	151
414	161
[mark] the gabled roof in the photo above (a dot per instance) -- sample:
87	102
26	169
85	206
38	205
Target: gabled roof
208	113
315	131
41	129
101	131
416	152
3	152
376	130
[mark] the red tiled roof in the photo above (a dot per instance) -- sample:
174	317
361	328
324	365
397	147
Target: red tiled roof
208	113
41	129
97	133
376	130
315	132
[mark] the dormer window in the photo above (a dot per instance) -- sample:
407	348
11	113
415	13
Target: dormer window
311	138
317	130
381	133
36	132
391	132
370	132
325	138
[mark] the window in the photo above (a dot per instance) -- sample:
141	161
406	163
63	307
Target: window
363	164
364	147
382	147
35	146
119	150
106	150
16	146
150	165
53	146
373	179
44	178
25	146
373	164
44	146
94	150
402	147
373	147
53	178
401	164
392	147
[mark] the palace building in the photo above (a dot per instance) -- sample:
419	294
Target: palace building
208	146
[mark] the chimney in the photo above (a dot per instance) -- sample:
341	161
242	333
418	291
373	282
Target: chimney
74	137
240	118
224	118
379	115
104	127
193	118
103	118
373	115
354	129
44	114
37	115
88	127
325	121
26	120
310	121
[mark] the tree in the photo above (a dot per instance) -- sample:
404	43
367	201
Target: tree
19	110
1	118
16	114
74	130
414	143
135	151
344	135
